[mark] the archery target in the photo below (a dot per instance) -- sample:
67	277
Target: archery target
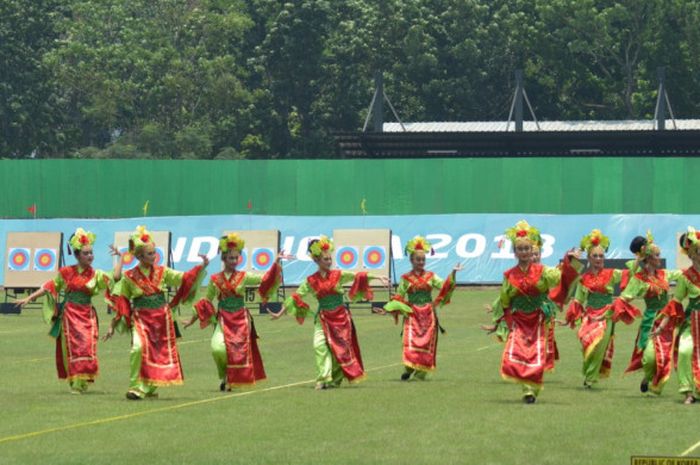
44	259
347	257
374	257
18	259
242	260
263	258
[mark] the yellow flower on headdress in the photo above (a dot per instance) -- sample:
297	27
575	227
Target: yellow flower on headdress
323	244
231	241
140	238
522	230
595	238
81	238
418	243
648	248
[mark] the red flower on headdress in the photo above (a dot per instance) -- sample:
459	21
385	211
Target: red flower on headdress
697	234
84	240
521	233
419	246
231	245
145	238
595	240
325	247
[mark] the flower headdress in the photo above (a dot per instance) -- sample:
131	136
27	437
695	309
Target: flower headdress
231	241
690	239
595	239
140	238
523	231
418	243
322	244
80	239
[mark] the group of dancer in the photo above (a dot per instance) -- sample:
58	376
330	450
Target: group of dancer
524	315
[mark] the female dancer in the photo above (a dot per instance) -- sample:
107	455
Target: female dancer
234	342
592	304
688	320
652	352
140	302
415	302
335	340
74	322
523	294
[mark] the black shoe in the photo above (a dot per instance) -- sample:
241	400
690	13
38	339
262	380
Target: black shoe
644	387
405	376
529	399
222	386
587	385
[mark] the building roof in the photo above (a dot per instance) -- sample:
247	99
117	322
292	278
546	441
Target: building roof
547	126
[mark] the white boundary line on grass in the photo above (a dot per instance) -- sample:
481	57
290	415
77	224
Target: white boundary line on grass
690	449
19	437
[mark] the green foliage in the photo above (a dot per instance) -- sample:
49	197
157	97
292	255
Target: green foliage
186	79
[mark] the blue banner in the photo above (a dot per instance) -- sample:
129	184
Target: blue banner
469	238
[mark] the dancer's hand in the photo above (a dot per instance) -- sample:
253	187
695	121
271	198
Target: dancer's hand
284	256
22	302
278	315
562	323
110	333
114	251
187	323
458	267
384	280
489	328
489	308
379	311
205	259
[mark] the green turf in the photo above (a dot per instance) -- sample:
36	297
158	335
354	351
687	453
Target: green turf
464	413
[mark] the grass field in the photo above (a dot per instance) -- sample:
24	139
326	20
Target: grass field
463	414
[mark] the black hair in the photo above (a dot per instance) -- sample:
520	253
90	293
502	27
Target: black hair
311	243
682	241
637	244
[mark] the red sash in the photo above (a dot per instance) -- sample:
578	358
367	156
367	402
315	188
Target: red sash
227	287
420	338
524	355
245	364
552	348
160	361
324	286
342	339
79	330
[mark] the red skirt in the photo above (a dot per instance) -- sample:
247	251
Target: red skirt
160	361
592	332
525	353
420	338
245	365
80	332
342	339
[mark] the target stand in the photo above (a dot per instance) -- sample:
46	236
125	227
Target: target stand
258	256
365	250
31	259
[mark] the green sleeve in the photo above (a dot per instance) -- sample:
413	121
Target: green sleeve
123	288
212	291
581	295
436	282
681	291
58	282
402	290
172	277
673	275
252	279
347	277
635	288
551	276
295	305
616	277
506	292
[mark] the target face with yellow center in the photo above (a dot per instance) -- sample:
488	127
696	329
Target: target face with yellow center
374	257
44	259
18	259
263	258
130	261
347	257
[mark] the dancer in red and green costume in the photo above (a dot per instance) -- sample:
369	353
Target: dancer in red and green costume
653	350
74	321
591	306
414	300
335	340
524	291
141	306
687	321
234	343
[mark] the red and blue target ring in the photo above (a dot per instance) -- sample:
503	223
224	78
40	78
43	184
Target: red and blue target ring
18	259
263	258
347	257
44	259
374	257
